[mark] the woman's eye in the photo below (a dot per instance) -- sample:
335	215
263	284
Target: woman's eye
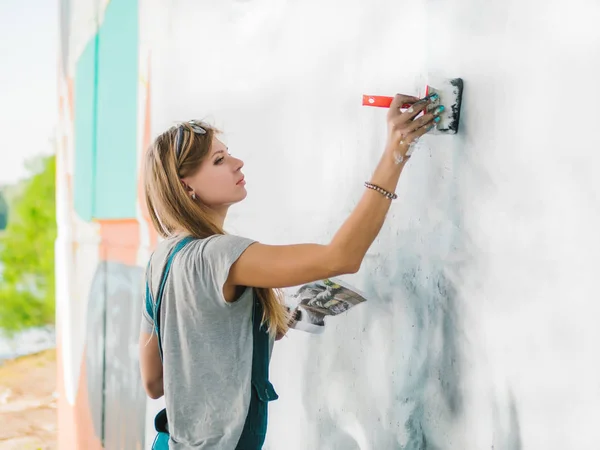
219	160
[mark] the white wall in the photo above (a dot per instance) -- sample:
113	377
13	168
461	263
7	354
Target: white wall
482	329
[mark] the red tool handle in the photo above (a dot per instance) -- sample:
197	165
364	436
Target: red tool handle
380	101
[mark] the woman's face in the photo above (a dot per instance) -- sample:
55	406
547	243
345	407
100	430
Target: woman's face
219	182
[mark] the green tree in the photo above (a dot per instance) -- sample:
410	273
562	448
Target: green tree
27	254
3	211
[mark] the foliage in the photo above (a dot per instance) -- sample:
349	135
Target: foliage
3	211
27	253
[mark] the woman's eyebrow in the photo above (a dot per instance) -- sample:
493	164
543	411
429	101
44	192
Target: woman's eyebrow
220	151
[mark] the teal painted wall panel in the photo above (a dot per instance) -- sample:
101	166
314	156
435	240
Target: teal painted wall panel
116	159
84	124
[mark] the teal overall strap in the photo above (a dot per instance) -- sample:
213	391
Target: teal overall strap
262	392
153	308
161	441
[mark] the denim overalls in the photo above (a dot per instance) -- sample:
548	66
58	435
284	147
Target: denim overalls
261	391
255	428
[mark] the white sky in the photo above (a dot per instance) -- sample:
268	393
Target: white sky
28	66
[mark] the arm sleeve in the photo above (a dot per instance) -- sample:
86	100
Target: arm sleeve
217	255
147	325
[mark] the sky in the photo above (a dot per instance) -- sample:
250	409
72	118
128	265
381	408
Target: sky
28	74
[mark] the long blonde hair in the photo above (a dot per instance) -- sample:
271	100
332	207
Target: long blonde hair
171	208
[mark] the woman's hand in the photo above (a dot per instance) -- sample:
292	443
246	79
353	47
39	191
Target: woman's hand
279	336
294	317
403	128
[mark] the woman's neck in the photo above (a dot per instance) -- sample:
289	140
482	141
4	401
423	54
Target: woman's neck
219	215
216	216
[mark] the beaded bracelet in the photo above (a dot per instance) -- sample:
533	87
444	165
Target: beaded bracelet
390	195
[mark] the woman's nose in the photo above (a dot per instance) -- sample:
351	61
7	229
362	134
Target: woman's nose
238	164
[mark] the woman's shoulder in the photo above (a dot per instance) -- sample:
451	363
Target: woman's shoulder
205	263
219	244
218	247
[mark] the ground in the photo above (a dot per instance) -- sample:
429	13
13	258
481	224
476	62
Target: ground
28	402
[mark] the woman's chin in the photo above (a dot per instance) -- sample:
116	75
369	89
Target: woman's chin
240	195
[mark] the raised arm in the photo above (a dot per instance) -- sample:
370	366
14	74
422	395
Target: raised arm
290	265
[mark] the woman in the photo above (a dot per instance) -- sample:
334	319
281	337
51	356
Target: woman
220	311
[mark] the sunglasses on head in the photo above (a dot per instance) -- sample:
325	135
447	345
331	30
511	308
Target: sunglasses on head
196	128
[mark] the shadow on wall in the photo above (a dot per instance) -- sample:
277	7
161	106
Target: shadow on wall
434	305
413	400
116	396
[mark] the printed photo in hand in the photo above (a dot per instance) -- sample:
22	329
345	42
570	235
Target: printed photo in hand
314	301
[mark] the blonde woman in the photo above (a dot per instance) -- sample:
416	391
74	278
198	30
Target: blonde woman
212	309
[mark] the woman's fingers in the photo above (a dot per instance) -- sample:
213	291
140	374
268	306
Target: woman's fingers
419	106
397	102
416	134
414	110
401	99
403	127
424	119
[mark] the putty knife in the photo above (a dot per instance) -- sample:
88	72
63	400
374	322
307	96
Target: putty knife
450	95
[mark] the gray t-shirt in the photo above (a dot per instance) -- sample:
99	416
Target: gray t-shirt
207	343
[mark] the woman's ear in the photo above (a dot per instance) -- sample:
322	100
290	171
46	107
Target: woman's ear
189	190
